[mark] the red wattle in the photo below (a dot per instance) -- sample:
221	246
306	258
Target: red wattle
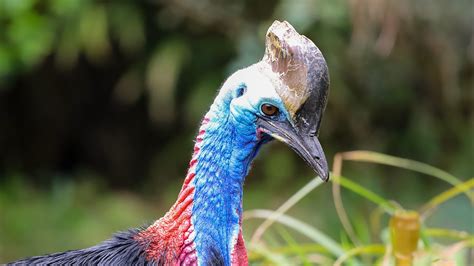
239	254
170	240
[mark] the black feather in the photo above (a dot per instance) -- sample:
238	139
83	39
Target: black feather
215	257
121	249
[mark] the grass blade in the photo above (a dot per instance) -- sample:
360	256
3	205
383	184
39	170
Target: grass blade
290	241
371	249
299	226
380	158
448	233
362	191
446	195
310	186
260	252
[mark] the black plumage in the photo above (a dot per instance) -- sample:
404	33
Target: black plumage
121	249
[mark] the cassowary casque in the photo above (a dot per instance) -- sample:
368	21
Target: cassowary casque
281	97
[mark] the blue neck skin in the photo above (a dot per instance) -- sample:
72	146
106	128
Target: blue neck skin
227	150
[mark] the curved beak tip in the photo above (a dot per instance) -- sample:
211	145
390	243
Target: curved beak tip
321	169
326	177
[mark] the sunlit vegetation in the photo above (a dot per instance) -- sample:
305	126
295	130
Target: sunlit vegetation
405	239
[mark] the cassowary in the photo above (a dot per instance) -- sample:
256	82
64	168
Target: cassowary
281	97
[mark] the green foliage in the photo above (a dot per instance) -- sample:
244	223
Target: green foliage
436	244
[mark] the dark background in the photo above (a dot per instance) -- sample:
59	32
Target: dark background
100	102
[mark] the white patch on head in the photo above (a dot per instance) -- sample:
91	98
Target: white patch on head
258	87
258	84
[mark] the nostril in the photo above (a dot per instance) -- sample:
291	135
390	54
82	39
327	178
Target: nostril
315	155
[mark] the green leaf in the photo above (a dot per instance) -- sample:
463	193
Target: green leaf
358	189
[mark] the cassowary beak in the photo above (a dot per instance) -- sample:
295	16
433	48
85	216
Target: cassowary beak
297	69
306	146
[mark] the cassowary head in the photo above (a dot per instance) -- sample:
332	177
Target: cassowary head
284	95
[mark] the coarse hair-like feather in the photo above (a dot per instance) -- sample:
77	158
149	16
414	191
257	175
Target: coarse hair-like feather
121	249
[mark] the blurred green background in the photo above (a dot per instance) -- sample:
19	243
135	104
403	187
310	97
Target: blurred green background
100	102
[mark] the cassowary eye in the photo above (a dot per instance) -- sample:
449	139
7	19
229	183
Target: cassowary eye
269	109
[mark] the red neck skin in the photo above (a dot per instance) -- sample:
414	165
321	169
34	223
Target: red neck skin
170	240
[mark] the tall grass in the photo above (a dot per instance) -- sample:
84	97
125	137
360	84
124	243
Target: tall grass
79	214
410	241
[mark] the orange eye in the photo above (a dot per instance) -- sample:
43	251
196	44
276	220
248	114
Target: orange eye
269	109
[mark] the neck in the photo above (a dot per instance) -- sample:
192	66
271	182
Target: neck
204	225
222	164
